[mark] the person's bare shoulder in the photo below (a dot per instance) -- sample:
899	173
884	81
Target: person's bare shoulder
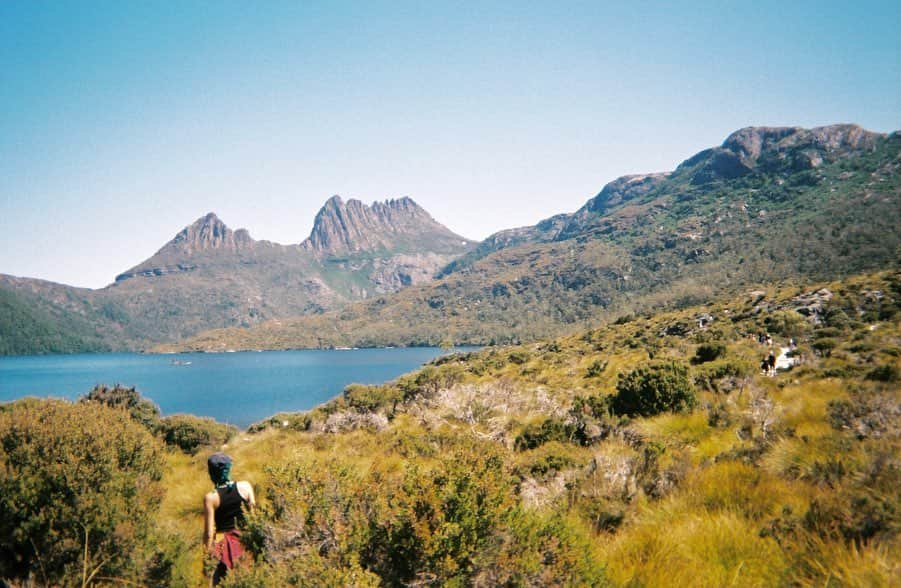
211	499
246	491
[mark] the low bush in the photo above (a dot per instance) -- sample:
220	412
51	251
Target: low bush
429	381
189	433
141	409
79	492
550	429
708	352
883	373
364	398
596	368
652	389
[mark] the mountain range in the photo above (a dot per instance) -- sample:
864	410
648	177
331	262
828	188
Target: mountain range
210	276
768	205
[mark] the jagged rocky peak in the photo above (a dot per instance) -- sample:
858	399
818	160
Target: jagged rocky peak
206	234
352	226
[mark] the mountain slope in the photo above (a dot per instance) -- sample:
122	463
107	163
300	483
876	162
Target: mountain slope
211	276
27	326
760	479
768	205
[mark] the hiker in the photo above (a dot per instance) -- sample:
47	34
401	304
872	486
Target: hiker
771	364
223	510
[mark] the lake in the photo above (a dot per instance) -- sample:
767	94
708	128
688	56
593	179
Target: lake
237	388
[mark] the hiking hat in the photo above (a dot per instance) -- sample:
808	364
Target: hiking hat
219	466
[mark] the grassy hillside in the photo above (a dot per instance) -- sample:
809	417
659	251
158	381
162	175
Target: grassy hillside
653	451
562	462
670	246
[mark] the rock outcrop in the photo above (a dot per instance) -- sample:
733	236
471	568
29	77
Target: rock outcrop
206	234
779	150
343	228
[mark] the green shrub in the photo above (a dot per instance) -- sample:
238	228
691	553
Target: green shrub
519	357
708	352
537	434
141	409
824	346
786	324
723	375
79	492
365	398
596	368
189	433
652	389
429	381
883	373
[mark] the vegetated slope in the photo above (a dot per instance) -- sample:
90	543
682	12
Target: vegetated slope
209	275
559	462
56	319
25	328
770	204
553	463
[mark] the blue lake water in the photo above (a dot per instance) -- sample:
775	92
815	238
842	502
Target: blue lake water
236	388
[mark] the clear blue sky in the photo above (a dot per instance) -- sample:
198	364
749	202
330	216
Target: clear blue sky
122	122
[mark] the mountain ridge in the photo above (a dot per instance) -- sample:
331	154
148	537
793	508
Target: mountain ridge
769	203
210	275
812	205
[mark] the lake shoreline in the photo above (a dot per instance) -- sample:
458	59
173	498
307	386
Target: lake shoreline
240	388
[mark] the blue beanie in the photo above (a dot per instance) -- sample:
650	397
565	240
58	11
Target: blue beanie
219	466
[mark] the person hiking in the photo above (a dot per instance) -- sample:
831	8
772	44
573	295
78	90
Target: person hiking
223	510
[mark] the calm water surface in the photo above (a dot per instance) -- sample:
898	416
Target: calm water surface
236	388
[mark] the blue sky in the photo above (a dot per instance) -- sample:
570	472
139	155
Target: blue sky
122	122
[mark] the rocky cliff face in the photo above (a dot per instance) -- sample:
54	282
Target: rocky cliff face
206	234
347	228
779	150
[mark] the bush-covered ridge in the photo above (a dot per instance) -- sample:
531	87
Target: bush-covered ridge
674	245
558	463
759	480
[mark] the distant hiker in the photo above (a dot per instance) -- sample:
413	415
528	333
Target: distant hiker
792	344
770	364
223	510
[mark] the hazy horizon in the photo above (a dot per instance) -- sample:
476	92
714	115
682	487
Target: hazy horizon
121	124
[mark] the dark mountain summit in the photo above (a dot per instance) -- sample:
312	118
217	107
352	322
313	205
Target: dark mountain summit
208	234
343	228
